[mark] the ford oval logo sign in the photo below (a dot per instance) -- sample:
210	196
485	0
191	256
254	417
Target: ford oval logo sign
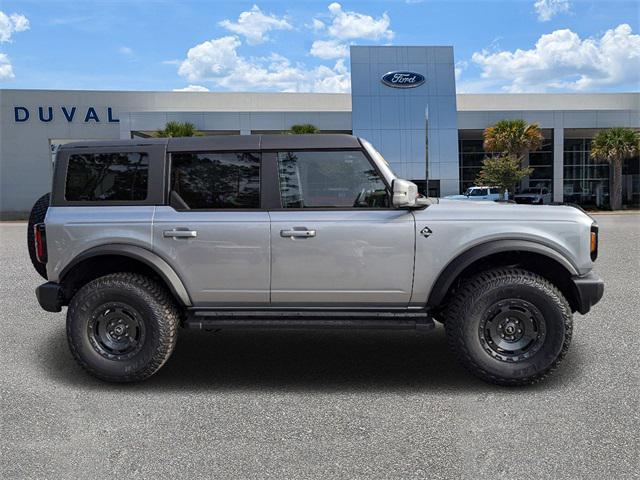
403	79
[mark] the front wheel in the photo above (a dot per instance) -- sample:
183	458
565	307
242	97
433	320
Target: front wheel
509	326
122	327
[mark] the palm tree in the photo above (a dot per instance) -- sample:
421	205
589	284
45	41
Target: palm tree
614	146
177	129
304	128
514	138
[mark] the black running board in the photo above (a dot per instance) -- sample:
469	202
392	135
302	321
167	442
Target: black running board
215	319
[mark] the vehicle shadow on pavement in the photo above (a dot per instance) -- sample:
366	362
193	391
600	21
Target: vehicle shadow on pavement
289	360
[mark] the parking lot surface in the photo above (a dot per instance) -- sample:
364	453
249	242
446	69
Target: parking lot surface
328	404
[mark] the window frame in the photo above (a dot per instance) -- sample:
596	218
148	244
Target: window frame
169	164
273	195
155	179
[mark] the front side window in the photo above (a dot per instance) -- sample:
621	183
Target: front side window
216	180
330	179
107	177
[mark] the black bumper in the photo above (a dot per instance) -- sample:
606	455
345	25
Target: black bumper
590	289
50	296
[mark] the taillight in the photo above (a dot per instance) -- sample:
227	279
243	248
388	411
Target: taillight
594	242
40	236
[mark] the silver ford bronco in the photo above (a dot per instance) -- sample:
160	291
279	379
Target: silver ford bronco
140	237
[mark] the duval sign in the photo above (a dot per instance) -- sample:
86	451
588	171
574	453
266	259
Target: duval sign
47	114
401	79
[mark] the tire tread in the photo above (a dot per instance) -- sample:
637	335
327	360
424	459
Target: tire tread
471	289
159	300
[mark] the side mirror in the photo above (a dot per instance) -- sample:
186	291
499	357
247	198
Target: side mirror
404	193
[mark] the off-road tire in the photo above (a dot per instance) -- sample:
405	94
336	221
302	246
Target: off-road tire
154	308
466	320
38	212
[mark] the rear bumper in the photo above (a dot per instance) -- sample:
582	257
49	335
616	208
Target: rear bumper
590	289
50	296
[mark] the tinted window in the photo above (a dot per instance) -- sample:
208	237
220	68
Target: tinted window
216	180
477	192
329	179
107	176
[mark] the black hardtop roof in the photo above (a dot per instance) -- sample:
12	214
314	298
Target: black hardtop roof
231	142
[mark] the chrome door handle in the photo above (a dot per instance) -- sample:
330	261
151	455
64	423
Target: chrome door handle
175	233
297	233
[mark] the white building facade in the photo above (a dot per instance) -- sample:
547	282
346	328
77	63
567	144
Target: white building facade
403	100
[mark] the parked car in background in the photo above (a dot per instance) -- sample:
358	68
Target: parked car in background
478	193
534	195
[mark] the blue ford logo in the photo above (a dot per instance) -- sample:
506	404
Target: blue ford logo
403	79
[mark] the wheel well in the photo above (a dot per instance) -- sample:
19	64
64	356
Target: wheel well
100	265
534	262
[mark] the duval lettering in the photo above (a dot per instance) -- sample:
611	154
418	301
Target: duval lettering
47	114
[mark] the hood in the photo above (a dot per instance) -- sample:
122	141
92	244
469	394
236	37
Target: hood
482	210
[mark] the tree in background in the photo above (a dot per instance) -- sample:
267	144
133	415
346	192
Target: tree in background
304	128
177	129
614	146
504	171
515	138
509	141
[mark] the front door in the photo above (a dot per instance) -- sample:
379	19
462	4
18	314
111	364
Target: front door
336	242
214	233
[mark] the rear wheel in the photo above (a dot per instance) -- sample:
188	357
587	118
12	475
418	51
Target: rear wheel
38	212
122	327
509	326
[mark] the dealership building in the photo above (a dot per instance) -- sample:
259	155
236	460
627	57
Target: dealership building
403	100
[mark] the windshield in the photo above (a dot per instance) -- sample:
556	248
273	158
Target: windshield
475	192
383	165
531	190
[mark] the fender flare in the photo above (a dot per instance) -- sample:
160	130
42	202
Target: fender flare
149	258
456	266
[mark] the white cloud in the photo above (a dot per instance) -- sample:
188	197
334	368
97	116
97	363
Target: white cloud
192	88
210	59
562	60
10	24
317	25
6	70
328	49
547	9
347	25
254	25
125	51
218	61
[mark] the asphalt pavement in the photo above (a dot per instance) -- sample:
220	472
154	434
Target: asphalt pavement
328	404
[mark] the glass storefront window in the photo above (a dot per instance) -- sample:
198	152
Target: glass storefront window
472	154
586	181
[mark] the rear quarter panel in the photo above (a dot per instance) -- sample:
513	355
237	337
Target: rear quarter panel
73	230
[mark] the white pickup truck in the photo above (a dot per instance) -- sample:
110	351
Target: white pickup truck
477	193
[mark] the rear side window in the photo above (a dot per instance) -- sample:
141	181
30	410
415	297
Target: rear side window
216	180
118	176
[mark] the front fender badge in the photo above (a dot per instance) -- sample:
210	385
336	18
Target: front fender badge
425	232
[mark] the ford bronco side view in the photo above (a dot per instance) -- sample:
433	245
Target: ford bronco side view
140	237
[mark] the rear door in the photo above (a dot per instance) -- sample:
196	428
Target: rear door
214	232
335	241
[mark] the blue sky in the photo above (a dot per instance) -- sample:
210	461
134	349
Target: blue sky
506	46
